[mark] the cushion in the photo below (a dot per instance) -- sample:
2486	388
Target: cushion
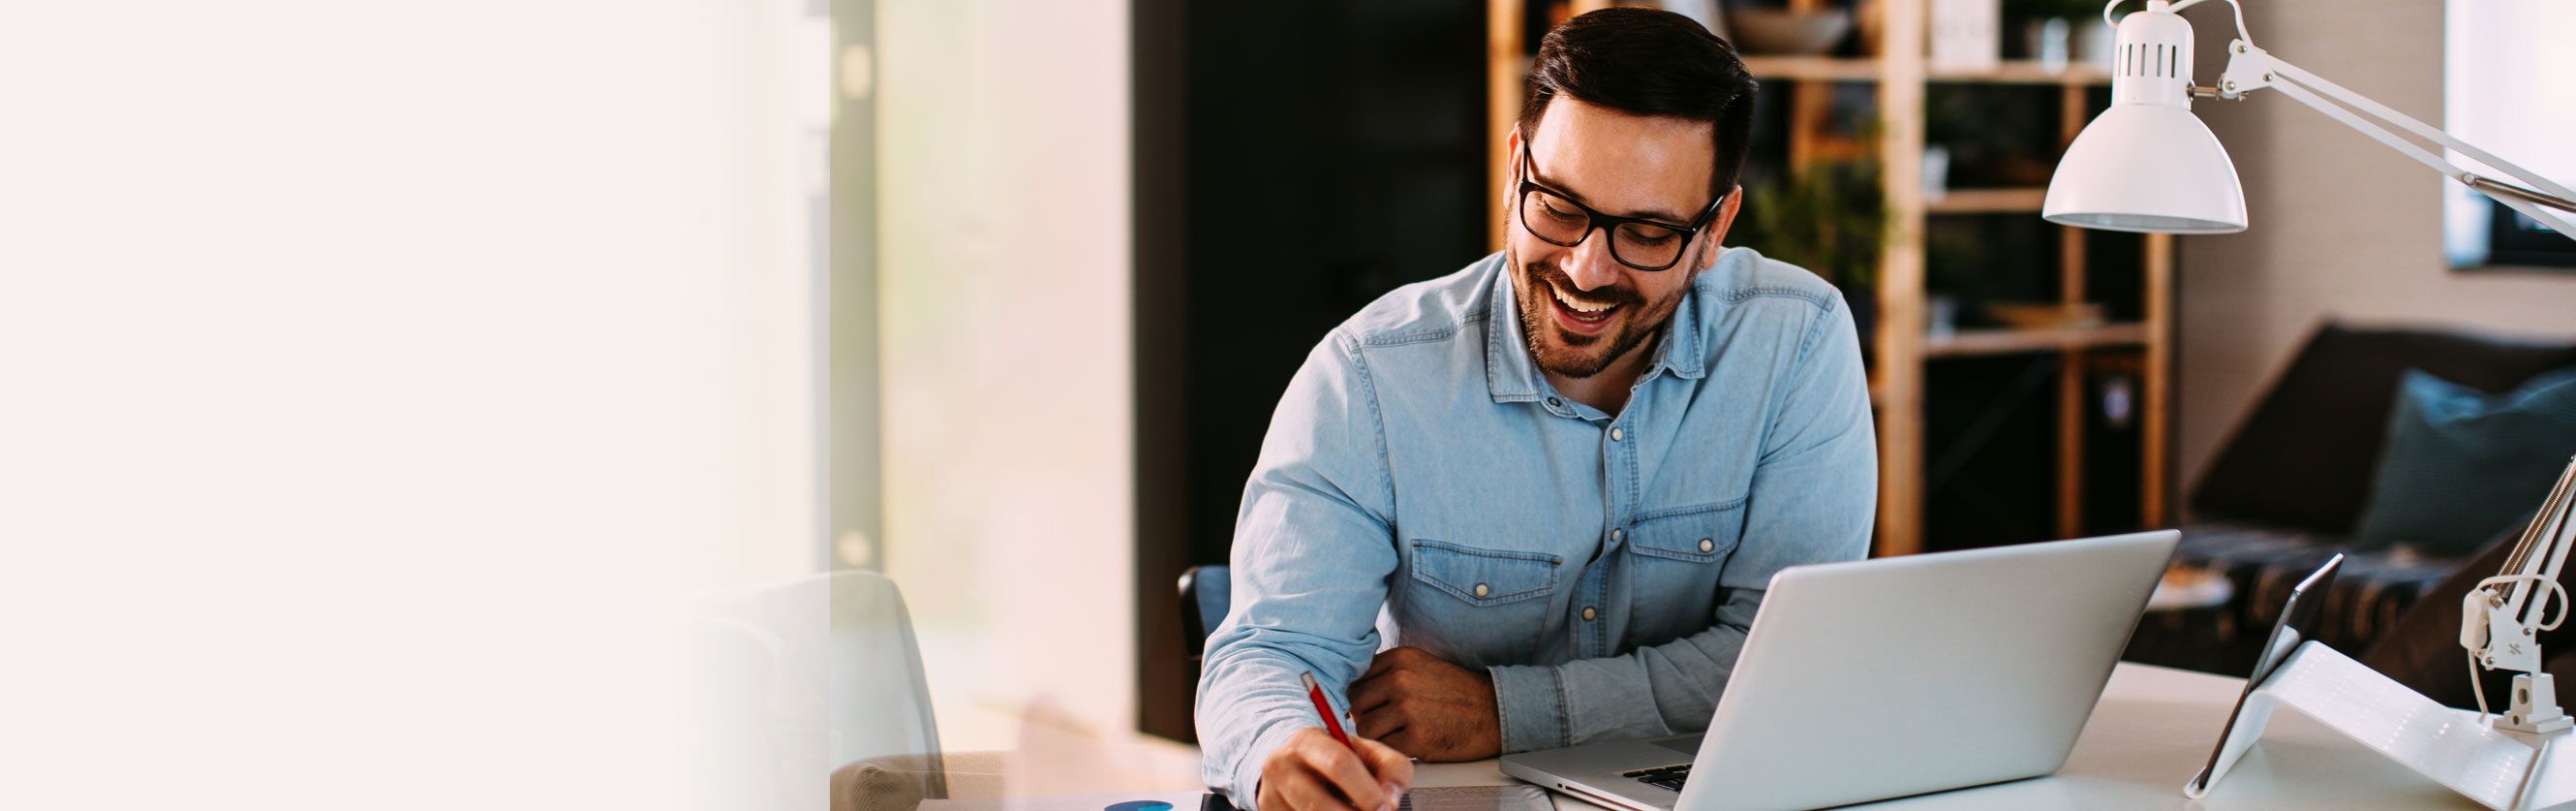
2262	563
2372	590
2460	465
2303	457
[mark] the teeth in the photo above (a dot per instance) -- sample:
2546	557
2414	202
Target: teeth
1578	306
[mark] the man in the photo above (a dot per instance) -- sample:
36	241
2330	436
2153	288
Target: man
1555	482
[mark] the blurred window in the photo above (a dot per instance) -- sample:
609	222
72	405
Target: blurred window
2508	87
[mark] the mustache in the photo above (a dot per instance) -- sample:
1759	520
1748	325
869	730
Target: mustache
1613	294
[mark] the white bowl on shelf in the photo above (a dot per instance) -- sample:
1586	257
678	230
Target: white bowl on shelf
1780	31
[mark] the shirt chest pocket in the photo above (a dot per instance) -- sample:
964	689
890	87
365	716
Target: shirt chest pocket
1486	601
1674	560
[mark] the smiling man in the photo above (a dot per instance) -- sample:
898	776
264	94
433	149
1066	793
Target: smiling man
1534	503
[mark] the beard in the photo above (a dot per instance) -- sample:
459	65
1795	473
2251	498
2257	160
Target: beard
1634	321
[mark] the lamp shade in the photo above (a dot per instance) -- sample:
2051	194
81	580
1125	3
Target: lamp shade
2147	163
2146	167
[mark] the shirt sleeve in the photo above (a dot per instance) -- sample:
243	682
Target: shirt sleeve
1312	554
1813	497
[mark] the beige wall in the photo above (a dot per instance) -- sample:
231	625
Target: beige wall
2339	225
1003	302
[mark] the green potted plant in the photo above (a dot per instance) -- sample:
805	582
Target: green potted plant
1830	219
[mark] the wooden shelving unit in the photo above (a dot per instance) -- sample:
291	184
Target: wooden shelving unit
1972	342
1988	201
1813	68
2025	72
1845	69
1902	349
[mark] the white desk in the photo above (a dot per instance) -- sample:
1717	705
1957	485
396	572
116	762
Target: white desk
2151	732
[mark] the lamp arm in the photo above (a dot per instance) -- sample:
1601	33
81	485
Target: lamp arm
2565	537
2500	623
2250	68
2551	527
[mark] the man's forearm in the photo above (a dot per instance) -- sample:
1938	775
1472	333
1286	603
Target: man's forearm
1249	703
1654	690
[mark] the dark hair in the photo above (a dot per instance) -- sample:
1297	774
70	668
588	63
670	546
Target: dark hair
1648	62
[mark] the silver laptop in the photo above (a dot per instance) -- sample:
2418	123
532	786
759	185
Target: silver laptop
1884	678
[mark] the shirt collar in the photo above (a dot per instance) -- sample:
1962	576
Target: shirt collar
1510	374
1680	353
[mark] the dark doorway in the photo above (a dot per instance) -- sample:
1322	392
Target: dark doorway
1294	161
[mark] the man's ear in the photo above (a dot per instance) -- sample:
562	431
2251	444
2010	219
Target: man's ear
1714	236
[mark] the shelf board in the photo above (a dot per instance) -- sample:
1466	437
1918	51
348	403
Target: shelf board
2025	71
1971	342
1989	201
1811	68
1865	69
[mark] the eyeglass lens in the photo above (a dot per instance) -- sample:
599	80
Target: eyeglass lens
1560	221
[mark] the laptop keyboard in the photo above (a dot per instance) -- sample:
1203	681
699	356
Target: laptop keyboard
1669	778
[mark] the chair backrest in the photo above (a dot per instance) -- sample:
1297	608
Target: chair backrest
1206	593
880	702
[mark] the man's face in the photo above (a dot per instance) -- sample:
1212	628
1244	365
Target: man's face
1581	309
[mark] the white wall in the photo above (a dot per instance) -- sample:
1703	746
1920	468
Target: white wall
767	109
2339	224
1004	277
377	378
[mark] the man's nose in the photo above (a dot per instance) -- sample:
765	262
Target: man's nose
1591	267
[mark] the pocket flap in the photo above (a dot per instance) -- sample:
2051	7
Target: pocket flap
1484	576
1697	534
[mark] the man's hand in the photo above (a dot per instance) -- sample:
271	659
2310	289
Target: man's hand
1313	772
1428	708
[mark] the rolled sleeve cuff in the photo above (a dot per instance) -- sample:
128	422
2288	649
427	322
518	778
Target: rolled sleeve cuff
1530	700
1247	772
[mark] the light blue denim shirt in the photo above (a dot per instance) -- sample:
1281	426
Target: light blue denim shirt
1422	484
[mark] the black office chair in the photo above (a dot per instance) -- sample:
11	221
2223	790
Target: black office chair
1206	592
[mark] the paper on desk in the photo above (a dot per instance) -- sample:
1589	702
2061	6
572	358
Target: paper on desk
1180	800
1522	797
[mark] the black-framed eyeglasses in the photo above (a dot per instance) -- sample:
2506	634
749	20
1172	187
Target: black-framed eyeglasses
1555	218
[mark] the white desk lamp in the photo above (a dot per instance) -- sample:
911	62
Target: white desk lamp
2147	164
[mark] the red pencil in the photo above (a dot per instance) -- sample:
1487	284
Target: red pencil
1316	692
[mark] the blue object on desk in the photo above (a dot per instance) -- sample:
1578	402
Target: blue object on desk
1140	805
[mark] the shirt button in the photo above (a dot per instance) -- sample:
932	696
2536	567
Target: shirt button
1706	545
1617	534
1480	589
1553	402
1614	435
1587	612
